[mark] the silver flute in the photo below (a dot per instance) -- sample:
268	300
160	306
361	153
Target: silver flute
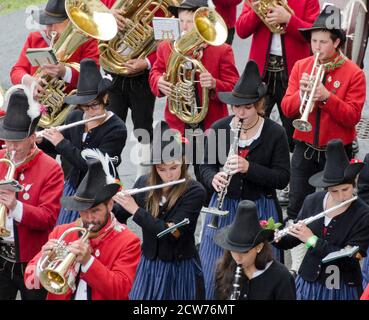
280	234
235	295
40	134
149	188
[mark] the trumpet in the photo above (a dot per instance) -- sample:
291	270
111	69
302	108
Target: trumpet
56	269
40	134
307	104
281	233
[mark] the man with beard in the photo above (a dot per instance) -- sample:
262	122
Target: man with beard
109	257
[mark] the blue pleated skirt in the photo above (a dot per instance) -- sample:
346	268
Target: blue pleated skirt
306	290
67	216
210	252
365	270
163	280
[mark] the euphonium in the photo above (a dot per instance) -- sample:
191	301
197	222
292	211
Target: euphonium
262	9
87	19
9	177
136	41
57	266
306	106
218	209
184	63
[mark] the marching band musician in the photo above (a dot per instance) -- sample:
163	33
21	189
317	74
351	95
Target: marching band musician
110	257
169	268
228	10
276	53
132	90
108	134
345	226
246	244
55	18
338	99
259	165
221	72
31	213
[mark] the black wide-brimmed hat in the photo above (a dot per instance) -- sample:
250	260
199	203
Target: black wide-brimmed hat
167	145
22	114
249	89
90	85
329	19
245	232
188	4
95	188
53	13
337	169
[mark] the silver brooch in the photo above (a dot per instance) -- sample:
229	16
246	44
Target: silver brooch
336	84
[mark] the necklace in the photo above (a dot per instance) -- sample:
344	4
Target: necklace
244	130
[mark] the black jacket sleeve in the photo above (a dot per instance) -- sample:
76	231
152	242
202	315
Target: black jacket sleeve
363	181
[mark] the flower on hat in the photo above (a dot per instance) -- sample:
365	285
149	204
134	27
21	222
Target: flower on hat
181	139
270	224
353	160
121	185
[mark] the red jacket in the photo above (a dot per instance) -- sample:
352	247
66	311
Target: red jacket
35	40
341	112
295	45
219	61
365	295
43	180
111	275
228	10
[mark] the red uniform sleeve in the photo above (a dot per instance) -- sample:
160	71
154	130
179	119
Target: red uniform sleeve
88	50
228	75
365	295
117	280
310	14
152	57
22	66
347	112
247	22
44	215
159	67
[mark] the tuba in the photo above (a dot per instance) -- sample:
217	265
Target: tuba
8	179
136	41
87	19
306	106
209	28
56	269
262	8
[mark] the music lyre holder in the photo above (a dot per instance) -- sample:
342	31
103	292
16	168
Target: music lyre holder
173	227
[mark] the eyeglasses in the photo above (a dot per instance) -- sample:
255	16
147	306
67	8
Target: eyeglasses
94	105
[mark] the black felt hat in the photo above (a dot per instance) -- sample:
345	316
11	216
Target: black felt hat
22	114
53	13
249	89
328	19
245	232
90	85
337	169
95	188
167	145
188	4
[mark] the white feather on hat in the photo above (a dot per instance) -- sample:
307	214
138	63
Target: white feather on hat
34	109
104	159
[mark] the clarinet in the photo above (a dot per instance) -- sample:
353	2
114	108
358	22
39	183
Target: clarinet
236	284
217	210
